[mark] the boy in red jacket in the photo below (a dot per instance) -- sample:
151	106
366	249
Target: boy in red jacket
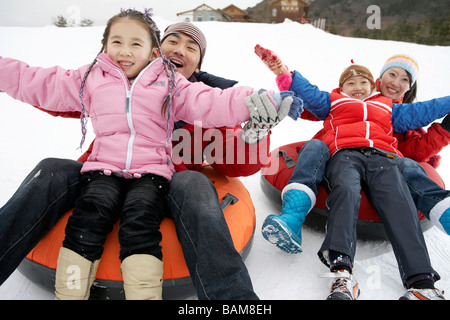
360	135
350	123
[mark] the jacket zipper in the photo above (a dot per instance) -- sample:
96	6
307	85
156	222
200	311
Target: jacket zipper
132	130
128	111
365	109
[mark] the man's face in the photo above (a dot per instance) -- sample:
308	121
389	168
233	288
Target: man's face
183	52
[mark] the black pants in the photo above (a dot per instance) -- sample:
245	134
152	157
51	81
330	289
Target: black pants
138	203
347	171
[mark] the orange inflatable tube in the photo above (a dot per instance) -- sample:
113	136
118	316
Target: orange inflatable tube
240	217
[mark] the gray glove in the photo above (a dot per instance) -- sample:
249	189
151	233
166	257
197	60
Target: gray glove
264	114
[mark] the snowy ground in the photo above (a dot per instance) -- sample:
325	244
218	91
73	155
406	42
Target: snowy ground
28	135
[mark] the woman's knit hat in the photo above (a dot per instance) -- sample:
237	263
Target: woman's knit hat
356	70
190	30
402	61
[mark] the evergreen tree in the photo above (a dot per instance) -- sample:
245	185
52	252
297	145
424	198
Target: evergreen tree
60	22
86	23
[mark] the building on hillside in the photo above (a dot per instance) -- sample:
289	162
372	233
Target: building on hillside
295	10
206	13
203	13
236	14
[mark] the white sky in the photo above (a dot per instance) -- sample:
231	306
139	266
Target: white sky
32	13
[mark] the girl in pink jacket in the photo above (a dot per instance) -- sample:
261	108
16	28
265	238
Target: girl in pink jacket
133	98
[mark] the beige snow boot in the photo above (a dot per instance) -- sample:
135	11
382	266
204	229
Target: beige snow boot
142	277
74	276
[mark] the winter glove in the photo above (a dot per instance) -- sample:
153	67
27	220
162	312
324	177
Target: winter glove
296	107
445	124
267	109
271	60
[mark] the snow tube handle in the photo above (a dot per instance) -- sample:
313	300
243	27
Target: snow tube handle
227	200
287	160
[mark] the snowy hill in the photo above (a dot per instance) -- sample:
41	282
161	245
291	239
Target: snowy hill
28	135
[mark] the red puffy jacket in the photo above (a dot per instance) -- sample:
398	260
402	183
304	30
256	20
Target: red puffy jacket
356	123
223	149
421	145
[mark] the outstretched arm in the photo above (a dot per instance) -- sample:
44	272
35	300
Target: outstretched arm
408	116
421	145
271	60
53	88
315	101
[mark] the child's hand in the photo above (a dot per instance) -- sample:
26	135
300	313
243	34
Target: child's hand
271	60
295	107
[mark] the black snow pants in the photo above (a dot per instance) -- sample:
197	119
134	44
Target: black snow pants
139	203
347	171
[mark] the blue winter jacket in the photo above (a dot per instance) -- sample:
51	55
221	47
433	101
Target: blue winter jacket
405	116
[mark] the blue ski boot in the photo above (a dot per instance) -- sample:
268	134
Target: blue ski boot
284	230
440	215
445	221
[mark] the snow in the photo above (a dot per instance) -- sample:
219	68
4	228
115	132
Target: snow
28	135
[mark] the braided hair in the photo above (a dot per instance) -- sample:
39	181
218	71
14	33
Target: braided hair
146	18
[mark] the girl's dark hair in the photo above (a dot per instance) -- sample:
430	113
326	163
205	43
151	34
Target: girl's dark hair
155	34
410	95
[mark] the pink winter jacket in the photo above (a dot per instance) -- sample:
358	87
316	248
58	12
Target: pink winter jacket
131	134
